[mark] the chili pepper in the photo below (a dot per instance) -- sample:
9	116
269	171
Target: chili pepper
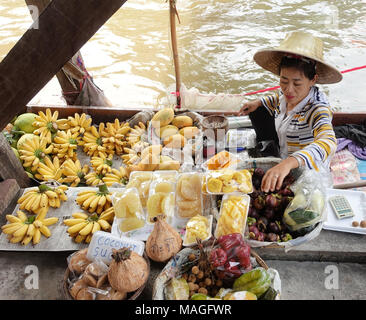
218	257
230	241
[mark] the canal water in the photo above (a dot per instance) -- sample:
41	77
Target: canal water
130	57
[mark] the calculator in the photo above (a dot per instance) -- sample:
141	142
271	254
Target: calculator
341	207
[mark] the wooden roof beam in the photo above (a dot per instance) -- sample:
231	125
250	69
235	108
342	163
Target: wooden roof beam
63	28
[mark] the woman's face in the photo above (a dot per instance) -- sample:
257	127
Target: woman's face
295	85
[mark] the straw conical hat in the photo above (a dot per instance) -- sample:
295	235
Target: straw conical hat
301	44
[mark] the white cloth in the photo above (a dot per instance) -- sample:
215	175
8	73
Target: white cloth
284	118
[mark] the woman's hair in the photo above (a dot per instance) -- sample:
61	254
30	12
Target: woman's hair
307	66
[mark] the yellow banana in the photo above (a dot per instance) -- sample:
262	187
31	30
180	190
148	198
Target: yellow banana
87	229
21	215
72	222
50	221
96	227
76	228
16	239
21	231
45	231
12	218
31	230
104	225
36	236
80	215
79	238
26	240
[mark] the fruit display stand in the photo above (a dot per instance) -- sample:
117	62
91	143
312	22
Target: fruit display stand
59	239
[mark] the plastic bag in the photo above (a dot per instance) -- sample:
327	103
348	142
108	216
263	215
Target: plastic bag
232	257
308	205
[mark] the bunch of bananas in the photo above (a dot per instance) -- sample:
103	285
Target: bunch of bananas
78	124
136	134
93	179
92	142
33	151
82	226
49	170
46	124
65	144
102	165
25	229
116	176
114	136
95	200
131	156
39	199
73	172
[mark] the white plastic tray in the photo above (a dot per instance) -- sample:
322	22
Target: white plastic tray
357	200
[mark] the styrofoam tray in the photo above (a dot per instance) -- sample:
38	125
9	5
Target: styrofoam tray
357	200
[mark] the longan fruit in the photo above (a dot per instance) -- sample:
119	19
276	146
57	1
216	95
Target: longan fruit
202	284
196	287
192	257
203	291
208	281
219	283
192	278
363	224
192	286
195	270
200	275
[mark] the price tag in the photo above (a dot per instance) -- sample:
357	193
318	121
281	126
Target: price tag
102	243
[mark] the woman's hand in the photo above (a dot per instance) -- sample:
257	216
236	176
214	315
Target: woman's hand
248	107
273	178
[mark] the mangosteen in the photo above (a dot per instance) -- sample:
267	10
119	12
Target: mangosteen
274	227
272	237
262	224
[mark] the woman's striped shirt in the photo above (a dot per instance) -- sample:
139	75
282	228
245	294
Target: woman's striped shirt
309	134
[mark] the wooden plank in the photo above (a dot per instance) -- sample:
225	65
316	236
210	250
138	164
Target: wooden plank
8	190
109	114
10	166
63	28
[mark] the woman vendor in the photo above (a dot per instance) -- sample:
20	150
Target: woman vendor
301	112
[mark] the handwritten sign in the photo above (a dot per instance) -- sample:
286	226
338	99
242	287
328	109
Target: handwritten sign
102	243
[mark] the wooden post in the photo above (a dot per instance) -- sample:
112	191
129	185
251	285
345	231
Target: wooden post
63	28
173	34
10	166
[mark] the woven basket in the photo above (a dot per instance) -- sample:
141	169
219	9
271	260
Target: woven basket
173	265
131	295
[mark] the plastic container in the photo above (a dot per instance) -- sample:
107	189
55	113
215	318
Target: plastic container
233	214
190	225
141	180
128	210
161	200
188	196
167	175
226	181
221	160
